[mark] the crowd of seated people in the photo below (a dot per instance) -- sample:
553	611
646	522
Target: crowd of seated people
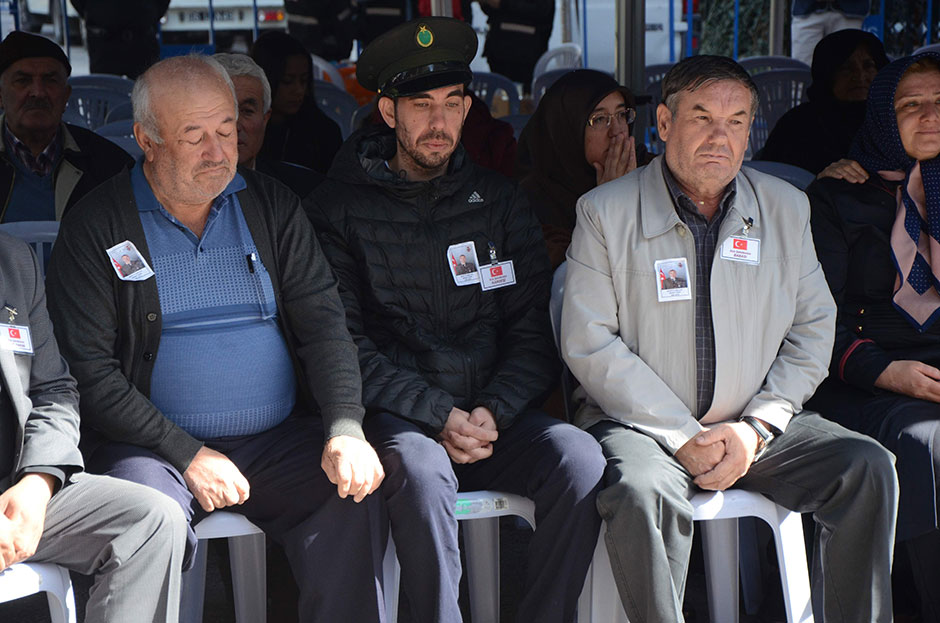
333	339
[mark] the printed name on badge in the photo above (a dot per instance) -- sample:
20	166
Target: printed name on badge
128	263
672	280
462	259
16	338
498	275
741	249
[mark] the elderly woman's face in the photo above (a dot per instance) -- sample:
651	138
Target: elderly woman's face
917	106
851	81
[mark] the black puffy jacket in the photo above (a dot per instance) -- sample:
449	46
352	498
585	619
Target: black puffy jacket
425	344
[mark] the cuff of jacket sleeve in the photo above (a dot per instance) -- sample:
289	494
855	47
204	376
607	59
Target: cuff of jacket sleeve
178	448
56	472
862	365
343	426
675	439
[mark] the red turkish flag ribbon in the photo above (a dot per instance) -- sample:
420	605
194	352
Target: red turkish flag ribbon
740	244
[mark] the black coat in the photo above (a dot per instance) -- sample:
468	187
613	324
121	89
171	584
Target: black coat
426	344
96	157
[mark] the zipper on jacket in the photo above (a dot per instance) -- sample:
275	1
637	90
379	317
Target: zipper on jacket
439	278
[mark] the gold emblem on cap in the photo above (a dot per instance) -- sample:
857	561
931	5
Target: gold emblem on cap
425	37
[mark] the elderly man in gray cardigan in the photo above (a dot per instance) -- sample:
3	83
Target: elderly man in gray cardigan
702	388
222	373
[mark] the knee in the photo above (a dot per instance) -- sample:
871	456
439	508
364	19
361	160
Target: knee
871	467
417	467
579	459
639	497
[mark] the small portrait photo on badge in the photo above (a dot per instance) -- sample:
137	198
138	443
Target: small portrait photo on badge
128	263
672	279
462	259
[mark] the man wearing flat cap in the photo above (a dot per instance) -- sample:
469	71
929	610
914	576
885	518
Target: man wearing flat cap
453	363
45	165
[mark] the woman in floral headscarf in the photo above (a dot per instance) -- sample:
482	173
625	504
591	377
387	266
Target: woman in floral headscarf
879	245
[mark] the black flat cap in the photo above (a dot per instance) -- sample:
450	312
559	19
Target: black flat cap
417	56
19	45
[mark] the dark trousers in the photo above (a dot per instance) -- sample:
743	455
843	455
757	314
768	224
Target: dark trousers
555	464
334	546
845	479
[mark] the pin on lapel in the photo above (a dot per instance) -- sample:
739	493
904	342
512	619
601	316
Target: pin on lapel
12	311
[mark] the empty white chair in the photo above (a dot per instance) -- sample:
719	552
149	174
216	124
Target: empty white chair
480	511
28	578
717	513
565	56
247	555
323	68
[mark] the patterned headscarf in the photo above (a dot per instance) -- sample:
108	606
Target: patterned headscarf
915	236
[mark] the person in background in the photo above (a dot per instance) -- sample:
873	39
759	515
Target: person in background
876	241
819	132
578	137
298	131
814	19
46	165
121	34
253	94
518	35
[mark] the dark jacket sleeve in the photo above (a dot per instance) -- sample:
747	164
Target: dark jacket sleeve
315	317
855	360
386	386
528	365
95	324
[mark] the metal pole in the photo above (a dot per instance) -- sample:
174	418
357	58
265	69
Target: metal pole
211	25
672	31
929	21
777	18
65	30
15	10
631	44
737	10
688	32
584	39
442	7
254	7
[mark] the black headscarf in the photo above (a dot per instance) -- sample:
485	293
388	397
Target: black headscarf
550	160
820	131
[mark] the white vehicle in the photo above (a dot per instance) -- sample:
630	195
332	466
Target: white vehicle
34	13
187	21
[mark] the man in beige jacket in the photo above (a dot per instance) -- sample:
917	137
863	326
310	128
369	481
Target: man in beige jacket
702	388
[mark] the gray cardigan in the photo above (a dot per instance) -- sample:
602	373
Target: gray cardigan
109	329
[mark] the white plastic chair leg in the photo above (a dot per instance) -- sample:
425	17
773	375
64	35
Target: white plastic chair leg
791	556
599	601
481	540
720	542
60	596
391	581
249	581
193	590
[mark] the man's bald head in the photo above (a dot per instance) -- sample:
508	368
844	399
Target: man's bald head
173	78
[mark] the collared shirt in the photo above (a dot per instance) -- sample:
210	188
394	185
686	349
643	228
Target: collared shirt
705	234
42	164
223	368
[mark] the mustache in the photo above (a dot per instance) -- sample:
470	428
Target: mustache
208	164
438	135
37	103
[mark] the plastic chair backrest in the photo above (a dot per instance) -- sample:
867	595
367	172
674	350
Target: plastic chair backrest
655	92
104	81
40	235
323	67
780	90
933	47
656	73
518	122
89	106
544	81
120	113
801	178
759	64
124	127
487	85
360	116
565	56
336	103
128	144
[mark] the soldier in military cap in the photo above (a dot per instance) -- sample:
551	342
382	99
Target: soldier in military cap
454	363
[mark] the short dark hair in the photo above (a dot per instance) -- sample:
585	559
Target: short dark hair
696	71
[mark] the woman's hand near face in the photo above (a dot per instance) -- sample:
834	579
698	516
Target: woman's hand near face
620	160
845	169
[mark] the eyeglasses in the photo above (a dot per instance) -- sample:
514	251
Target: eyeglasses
601	120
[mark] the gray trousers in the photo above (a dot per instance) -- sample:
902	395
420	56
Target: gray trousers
129	536
845	479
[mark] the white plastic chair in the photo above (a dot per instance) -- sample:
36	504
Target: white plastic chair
543	81
323	67
89	106
718	515
247	555
565	56
28	578
338	105
104	81
40	235
801	178
780	90
487	85
759	64
480	511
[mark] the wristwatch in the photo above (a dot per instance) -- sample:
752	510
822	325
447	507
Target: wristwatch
764	434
